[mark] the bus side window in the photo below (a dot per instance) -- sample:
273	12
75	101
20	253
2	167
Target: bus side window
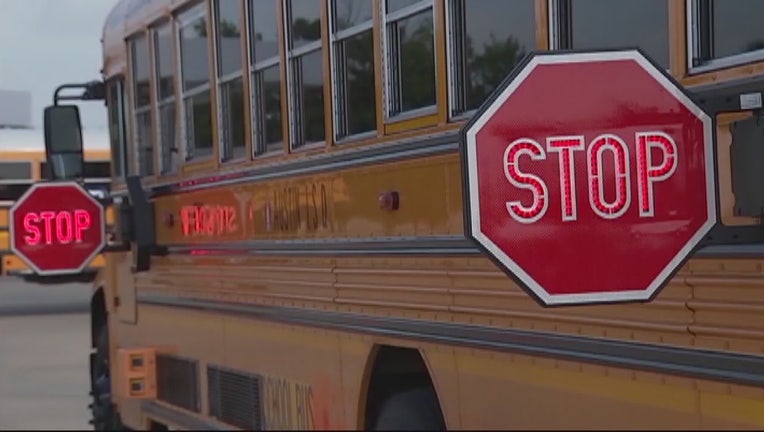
725	33
117	128
231	130
409	58
305	74
487	39
265	77
165	96
15	178
195	82
606	24
144	141
352	38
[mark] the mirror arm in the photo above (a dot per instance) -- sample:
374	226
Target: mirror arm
93	90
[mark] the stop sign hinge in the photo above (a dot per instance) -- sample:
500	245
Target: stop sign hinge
137	232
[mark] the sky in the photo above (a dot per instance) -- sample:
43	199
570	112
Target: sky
46	43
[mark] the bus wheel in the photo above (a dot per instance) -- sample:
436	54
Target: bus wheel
104	416
415	409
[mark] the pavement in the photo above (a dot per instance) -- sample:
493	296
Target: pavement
44	345
18	297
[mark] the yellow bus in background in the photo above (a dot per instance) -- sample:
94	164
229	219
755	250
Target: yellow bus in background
22	162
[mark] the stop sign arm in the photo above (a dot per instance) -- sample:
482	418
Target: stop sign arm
746	162
140	230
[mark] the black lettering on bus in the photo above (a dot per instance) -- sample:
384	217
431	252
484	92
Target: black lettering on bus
300	207
287	405
304	409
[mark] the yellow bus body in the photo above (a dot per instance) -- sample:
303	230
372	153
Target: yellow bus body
288	299
27	147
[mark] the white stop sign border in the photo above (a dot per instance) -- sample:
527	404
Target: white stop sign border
57	184
469	159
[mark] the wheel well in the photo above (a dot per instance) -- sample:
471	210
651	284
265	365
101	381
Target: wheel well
394	370
97	315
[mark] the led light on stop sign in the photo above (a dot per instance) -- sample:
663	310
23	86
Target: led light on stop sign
63	226
647	172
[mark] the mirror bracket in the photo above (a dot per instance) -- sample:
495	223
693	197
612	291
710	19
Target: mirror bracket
92	90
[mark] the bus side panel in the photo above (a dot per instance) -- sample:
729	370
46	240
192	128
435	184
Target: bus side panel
517	391
312	378
178	333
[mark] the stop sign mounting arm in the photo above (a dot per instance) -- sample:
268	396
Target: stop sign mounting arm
746	160
140	229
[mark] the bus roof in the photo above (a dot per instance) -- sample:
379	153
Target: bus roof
32	140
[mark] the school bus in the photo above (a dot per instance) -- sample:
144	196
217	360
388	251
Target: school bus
22	163
266	288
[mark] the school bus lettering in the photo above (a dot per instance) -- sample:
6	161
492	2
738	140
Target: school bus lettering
305	205
287	404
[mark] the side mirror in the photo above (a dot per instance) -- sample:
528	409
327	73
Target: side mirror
63	142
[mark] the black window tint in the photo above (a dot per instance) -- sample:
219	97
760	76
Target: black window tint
263	18
15	171
229	36
603	24
349	13
140	59
116	108
101	169
12	192
737	26
97	170
164	60
490	38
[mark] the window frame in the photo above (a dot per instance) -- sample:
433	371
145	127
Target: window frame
260	148
119	171
385	20
183	19
167	24
337	106
143	110
557	9
291	57
222	80
700	45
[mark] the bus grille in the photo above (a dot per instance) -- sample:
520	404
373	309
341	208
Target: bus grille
234	398
178	382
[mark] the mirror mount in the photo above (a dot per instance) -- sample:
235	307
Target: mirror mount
93	90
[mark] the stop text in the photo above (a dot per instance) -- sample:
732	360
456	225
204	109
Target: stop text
648	173
51	227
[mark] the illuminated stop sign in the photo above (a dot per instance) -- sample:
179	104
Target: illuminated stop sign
57	228
589	176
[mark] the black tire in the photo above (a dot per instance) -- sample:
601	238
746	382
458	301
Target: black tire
415	409
104	416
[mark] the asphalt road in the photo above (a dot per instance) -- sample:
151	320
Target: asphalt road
44	343
21	298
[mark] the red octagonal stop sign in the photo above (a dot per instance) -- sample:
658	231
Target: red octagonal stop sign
57	228
589	176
